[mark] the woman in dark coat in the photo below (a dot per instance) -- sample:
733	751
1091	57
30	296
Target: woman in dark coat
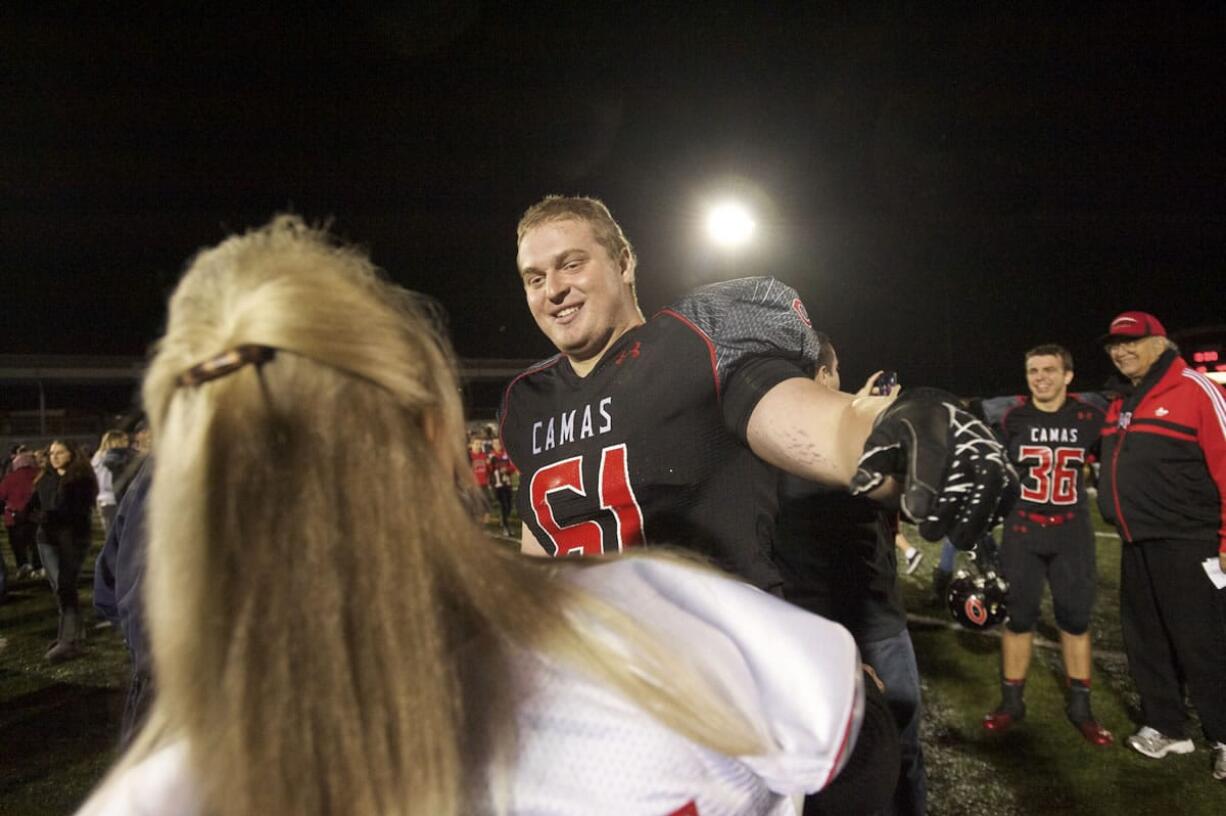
64	496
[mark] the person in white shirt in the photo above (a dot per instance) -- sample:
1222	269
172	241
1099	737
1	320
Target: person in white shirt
330	637
107	503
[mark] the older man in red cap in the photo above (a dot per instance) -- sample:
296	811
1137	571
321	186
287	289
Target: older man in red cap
1164	488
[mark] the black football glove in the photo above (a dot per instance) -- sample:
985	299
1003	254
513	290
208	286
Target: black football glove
956	477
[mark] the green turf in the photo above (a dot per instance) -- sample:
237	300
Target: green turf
58	725
1042	765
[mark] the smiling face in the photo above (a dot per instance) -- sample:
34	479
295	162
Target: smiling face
1135	357
580	297
1048	380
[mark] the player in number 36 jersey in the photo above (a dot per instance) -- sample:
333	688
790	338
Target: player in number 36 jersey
1049	536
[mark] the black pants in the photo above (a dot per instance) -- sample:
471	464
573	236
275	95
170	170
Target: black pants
63	551
21	540
1174	623
503	494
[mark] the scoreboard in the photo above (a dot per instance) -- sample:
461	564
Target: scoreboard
1205	351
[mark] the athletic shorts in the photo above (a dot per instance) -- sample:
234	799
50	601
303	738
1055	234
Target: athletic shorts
1061	554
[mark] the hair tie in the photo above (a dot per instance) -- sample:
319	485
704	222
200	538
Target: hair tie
226	363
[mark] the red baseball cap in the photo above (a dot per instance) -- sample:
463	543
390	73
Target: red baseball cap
1133	325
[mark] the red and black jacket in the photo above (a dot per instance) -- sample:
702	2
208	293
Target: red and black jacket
1164	457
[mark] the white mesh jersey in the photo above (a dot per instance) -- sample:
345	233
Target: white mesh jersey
586	750
583	749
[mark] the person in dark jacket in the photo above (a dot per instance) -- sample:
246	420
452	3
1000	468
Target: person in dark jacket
836	555
119	577
64	495
1163	486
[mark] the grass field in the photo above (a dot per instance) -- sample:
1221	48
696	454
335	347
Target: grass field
58	724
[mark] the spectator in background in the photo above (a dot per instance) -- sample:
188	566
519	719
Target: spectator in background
7	464
16	491
1163	486
119	577
500	480
64	495
133	457
479	460
108	461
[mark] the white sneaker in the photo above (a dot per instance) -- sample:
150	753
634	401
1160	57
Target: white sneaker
1219	761
914	557
1154	744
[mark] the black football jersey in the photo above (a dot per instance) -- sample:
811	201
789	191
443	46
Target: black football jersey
649	449
1049	451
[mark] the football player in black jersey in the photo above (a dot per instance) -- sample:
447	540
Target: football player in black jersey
645	431
1049	537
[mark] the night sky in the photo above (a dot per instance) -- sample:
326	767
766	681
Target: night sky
944	190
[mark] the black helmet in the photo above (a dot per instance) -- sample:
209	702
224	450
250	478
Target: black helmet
977	601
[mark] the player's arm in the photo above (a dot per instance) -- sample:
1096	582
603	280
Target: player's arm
955	478
528	545
811	431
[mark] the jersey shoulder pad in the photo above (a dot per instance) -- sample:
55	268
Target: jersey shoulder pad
750	317
997	409
1092	399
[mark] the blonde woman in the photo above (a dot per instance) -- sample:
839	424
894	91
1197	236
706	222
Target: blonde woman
105	464
330	637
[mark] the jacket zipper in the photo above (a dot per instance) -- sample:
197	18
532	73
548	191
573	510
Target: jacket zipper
1115	484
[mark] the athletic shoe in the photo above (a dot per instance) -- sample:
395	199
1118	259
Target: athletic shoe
24	571
1155	745
1094	733
1001	720
1219	761
914	557
63	651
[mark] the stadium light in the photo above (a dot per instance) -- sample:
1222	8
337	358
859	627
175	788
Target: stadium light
730	225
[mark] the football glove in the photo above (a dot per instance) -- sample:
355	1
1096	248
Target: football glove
956	476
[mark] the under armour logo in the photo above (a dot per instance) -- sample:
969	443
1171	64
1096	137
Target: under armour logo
1125	420
633	351
1160	411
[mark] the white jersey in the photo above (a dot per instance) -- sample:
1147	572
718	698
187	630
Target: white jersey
584	749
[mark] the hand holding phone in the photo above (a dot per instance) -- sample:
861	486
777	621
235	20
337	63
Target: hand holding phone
885	384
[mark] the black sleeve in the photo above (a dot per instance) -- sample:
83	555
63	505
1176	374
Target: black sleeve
748	384
866	784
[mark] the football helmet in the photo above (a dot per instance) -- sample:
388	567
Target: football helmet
977	601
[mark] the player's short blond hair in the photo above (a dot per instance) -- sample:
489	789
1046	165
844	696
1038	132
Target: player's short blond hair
578	208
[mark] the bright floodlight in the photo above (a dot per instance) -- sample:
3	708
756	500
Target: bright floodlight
730	225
